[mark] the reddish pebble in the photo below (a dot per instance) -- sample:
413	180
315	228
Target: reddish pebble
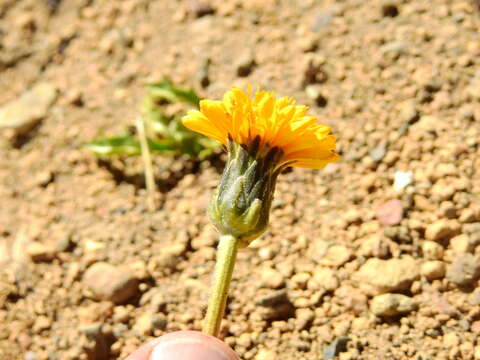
390	213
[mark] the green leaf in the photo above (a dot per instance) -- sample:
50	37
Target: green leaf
125	145
165	89
117	145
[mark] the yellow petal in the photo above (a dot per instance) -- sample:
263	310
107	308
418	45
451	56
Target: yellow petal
316	163
198	122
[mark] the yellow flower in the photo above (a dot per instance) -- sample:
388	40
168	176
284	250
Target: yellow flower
274	123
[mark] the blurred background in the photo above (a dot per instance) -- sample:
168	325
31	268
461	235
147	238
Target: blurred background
374	257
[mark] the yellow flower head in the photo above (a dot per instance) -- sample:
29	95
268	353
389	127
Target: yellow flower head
274	123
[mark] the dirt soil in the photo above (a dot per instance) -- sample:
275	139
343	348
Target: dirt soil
375	257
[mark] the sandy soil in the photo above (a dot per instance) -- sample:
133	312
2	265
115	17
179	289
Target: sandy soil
382	248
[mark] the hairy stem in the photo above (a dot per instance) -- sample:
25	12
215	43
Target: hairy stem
226	256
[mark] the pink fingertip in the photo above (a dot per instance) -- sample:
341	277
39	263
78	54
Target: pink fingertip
191	345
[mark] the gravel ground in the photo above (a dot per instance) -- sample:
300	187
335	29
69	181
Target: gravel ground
375	257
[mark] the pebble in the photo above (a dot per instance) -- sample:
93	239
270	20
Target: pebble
409	112
389	9
41	323
24	113
382	276
391	305
201	8
264	354
394	49
464	270
336	256
378	152
322	20
352	298
461	244
275	306
315	93
338	346
39	252
147	322
112	283
451	340
469	215
390	213
325	278
401	179
245	64
304	319
374	246
271	278
442	230
433	270
432	250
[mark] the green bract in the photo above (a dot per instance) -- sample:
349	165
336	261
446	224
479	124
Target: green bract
241	204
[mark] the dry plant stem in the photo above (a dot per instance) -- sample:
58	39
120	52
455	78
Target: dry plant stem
226	256
147	163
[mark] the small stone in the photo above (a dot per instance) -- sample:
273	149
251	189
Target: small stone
461	244
448	210
433	270
464	270
273	299
409	112
322	20
442	192
338	346
325	278
374	246
314	74
159	321
432	250
304	318
266	253
41	323
112	283
352	298
276	306
394	49
381	276
207	238
308	43
451	340
271	278
314	92
244	340
39	252
391	305
24	113
121	314
264	354
474	297
390	213
336	256
43	178
442	230
147	322
389	9
245	64
300	280
378	152
469	215
201	8
167	259
401	179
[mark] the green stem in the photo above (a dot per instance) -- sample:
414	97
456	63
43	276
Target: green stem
226	256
